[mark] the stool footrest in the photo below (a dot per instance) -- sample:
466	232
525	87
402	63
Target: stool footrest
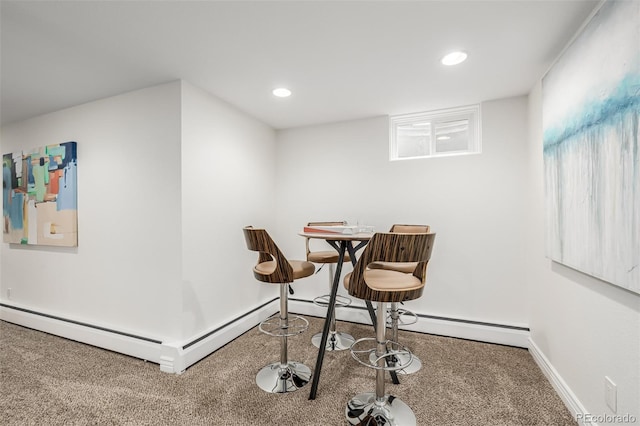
341	301
364	351
405	317
273	326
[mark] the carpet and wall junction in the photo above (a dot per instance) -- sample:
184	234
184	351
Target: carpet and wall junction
47	380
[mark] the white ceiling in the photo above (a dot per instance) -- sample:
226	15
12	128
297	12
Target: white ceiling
342	59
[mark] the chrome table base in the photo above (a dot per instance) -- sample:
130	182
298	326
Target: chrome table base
276	378
365	410
336	341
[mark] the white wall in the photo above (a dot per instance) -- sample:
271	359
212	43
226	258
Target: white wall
228	182
586	328
125	273
474	203
167	178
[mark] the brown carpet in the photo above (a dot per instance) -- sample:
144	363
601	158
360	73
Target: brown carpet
47	380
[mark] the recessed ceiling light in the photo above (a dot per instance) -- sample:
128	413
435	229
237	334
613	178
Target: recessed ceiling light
454	58
281	92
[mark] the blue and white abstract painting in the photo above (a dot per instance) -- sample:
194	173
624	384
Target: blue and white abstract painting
591	110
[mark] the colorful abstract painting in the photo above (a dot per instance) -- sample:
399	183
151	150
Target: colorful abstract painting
39	196
591	110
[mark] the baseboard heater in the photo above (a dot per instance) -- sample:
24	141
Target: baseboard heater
172	356
227	324
80	323
435	317
146	339
175	357
483	331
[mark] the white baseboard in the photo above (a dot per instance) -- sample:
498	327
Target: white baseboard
136	347
562	389
173	357
179	356
482	332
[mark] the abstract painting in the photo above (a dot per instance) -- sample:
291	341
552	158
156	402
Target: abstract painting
591	128
39	196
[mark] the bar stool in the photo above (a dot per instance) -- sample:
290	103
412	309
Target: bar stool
396	315
386	286
336	341
273	267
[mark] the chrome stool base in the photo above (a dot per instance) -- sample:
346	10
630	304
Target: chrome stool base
403	359
364	410
276	378
336	341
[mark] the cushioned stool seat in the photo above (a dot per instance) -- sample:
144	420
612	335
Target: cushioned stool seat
301	269
389	280
326	257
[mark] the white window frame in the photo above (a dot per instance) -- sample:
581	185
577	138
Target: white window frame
470	113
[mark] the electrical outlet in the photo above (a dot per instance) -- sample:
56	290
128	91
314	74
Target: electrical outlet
610	394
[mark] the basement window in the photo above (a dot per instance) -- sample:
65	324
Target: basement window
440	133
